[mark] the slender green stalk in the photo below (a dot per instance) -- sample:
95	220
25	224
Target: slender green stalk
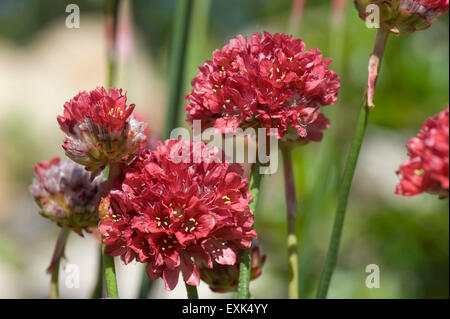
54	287
246	255
198	35
255	184
349	170
111	16
112	70
177	68
291	205
192	292
146	286
177	63
58	252
245	263
323	178
98	288
350	166
109	270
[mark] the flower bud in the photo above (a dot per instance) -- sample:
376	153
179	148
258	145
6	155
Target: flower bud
224	278
100	129
65	194
403	16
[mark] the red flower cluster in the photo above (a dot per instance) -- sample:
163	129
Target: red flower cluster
171	212
100	128
65	194
427	170
405	16
224	278
264	80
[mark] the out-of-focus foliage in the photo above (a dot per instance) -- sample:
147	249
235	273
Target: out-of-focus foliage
407	238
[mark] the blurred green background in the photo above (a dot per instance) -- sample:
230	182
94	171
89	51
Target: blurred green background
43	64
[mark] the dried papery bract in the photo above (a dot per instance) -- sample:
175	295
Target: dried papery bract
404	16
427	169
66	195
100	129
264	81
170	214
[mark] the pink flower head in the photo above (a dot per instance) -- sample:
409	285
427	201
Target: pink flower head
100	129
427	169
65	194
404	16
264	80
172	212
225	278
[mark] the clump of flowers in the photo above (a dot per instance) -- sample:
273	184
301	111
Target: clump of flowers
224	278
100	129
65	194
404	16
264	81
178	204
427	169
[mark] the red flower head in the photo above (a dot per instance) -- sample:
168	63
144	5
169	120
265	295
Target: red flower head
264	80
405	16
224	278
427	170
177	205
63	191
100	129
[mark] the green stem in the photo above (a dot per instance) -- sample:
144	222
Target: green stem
111	13
177	63
146	286
111	17
198	35
192	292
56	258
245	263
98	289
323	177
246	255
349	170
109	271
291	205
54	287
